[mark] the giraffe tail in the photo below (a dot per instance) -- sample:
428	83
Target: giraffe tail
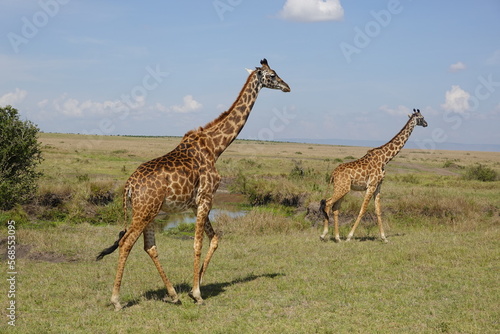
112	248
322	208
127	197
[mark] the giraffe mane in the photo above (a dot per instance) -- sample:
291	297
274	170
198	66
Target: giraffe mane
224	114
395	136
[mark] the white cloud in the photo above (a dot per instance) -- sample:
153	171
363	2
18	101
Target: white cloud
398	111
189	105
457	67
42	104
456	100
73	108
13	98
312	10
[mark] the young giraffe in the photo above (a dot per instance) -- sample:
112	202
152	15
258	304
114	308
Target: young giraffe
367	174
186	178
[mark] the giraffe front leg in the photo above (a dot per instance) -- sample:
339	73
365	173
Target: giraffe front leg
368	196
195	292
378	211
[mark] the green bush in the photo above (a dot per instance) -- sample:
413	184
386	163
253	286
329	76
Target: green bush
16	213
480	172
265	190
20	154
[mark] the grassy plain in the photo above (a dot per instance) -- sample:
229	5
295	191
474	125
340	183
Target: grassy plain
439	273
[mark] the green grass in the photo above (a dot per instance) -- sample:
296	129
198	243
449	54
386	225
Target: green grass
442	280
271	274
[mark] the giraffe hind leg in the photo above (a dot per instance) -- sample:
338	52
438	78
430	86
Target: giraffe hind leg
126	243
150	248
326	207
325	210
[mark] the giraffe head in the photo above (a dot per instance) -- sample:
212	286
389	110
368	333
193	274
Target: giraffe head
418	118
269	79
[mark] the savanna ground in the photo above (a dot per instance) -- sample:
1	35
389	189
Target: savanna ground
439	273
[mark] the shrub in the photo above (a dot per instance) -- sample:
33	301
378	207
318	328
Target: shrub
16	213
20	153
408	178
101	192
265	190
447	163
481	173
450	164
297	172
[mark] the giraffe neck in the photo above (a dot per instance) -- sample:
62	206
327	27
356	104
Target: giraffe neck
389	150
225	128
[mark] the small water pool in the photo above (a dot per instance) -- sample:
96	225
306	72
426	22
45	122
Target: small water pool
173	220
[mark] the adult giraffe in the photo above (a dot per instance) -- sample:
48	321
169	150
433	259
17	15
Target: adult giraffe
366	173
183	179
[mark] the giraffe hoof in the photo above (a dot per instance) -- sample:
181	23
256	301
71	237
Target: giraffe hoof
322	238
170	300
384	240
197	300
116	303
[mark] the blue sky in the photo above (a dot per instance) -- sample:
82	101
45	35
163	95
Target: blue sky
356	69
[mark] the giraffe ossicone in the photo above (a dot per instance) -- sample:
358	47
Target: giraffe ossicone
186	179
365	174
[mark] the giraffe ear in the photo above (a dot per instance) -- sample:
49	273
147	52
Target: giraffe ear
249	70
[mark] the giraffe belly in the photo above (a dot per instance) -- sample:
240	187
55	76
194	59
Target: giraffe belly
177	203
359	186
